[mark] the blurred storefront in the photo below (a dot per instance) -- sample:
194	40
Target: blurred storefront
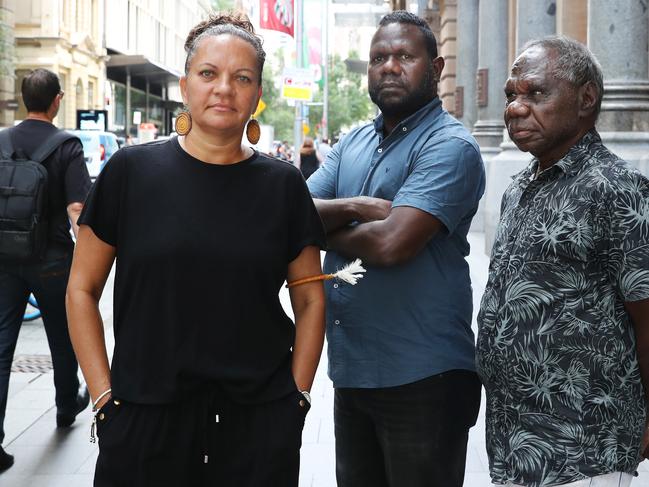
138	91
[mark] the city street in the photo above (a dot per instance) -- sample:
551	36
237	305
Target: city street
47	457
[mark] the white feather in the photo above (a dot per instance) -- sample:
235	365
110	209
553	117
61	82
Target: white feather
352	272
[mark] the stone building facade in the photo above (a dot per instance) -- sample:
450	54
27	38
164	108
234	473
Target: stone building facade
64	36
8	104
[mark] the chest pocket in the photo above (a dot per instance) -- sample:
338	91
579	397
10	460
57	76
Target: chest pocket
563	229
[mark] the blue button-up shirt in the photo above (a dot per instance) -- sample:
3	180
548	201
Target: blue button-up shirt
404	323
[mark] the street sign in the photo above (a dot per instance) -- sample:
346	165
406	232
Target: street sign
297	84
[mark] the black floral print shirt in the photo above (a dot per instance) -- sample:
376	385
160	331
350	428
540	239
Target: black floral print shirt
556	349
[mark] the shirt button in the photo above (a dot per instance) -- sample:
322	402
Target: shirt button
337	322
379	150
336	286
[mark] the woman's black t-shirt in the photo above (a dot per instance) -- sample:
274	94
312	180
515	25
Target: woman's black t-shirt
202	252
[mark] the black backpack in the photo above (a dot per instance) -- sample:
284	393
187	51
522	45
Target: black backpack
23	198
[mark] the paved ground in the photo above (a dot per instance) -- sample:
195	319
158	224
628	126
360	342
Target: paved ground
47	457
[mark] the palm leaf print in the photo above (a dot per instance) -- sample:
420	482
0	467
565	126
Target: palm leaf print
523	300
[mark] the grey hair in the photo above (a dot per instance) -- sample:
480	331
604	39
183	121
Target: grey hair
574	63
218	25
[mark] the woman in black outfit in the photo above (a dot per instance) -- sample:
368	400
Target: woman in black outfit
209	380
308	159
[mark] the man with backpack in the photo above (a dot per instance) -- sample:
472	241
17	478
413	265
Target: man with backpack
43	183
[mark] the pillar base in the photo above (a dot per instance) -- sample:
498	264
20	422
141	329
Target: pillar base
478	223
633	147
625	107
489	133
509	162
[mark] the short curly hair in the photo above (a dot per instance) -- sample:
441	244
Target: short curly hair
574	62
408	18
216	24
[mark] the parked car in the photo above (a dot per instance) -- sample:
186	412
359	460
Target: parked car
98	148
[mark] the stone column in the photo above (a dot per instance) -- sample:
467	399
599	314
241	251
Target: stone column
491	76
466	108
535	19
572	18
617	35
447	48
489	80
7	63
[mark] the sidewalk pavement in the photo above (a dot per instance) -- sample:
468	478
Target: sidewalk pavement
51	457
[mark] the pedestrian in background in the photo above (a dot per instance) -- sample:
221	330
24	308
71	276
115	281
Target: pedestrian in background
324	149
400	194
567	300
44	268
201	395
308	159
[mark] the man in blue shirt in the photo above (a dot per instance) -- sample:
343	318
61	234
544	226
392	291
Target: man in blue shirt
400	194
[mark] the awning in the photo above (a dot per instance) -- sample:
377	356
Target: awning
141	67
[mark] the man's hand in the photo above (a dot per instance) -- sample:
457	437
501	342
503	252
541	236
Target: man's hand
340	212
371	209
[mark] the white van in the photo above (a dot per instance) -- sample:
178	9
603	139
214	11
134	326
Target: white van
98	147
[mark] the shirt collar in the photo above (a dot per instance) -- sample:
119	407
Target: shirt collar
570	164
573	161
412	120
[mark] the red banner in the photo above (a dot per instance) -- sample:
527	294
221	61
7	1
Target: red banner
277	15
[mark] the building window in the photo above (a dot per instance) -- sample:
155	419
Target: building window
63	113
79	95
21	113
91	95
78	13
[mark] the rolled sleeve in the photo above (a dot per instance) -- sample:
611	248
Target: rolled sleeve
306	226
322	183
447	180
628	245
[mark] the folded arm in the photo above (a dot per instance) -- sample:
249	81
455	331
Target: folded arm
384	243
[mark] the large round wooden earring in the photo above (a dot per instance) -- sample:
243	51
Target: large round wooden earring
183	123
253	131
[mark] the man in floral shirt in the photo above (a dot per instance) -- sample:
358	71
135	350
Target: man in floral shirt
563	343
